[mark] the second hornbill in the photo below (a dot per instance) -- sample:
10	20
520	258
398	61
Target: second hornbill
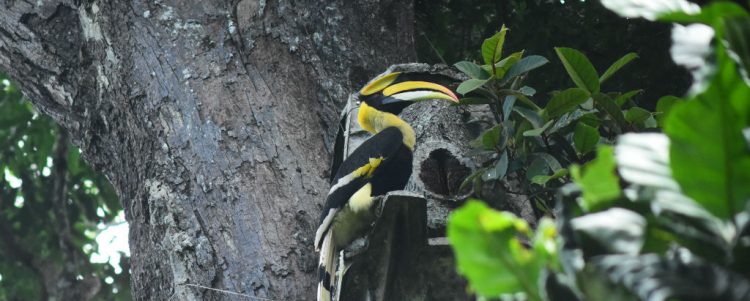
381	164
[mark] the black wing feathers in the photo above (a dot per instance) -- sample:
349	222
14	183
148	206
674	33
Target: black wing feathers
387	144
383	144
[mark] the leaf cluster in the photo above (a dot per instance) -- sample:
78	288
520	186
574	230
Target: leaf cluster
657	216
537	141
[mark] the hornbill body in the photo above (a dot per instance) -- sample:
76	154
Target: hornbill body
379	165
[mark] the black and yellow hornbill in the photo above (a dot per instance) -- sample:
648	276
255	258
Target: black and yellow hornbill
379	165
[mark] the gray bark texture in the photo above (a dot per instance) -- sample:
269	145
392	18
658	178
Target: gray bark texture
212	119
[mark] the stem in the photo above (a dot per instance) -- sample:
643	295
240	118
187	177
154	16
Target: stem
433	48
495	113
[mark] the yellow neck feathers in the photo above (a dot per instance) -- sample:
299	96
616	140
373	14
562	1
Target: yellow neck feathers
374	121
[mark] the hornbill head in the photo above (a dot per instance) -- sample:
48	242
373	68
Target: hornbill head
395	91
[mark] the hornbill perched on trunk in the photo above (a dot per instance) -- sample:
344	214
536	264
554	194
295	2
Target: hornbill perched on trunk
381	164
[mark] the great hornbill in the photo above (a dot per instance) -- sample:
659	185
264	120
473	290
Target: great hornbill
379	165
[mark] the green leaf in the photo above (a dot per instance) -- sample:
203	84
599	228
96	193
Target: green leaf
521	97
623	98
497	172
506	64
617	65
528	91
491	256
543	179
738	38
642	277
470	85
472	70
616	230
606	104
585	138
636	115
598	181
711	14
537	131
579	68
523	66
643	159
533	118
543	164
492	47
565	101
663	106
566	119
494	138
508	104
709	154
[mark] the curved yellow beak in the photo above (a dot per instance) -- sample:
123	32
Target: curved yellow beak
408	90
379	84
418	91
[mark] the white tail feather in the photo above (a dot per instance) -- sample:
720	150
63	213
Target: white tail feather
326	268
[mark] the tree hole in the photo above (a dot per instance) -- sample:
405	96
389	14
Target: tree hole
442	173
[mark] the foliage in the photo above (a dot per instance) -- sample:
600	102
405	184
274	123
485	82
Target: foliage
52	205
537	26
536	141
490	250
657	217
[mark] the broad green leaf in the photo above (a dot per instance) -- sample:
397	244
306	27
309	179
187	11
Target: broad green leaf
494	138
522	98
636	115
606	104
710	14
623	98
663	106
617	65
543	179
470	85
489	253
553	164
643	159
597	179
738	38
659	277
523	66
497	171
565	102
542	164
566	119
472	70
709	155
579	68
510	100
616	230
537	131
533	118
505	64
492	47
650	122
528	91
585	138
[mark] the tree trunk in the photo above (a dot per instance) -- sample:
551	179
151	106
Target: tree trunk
212	120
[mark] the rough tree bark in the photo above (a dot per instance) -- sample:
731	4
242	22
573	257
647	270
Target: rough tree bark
212	119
